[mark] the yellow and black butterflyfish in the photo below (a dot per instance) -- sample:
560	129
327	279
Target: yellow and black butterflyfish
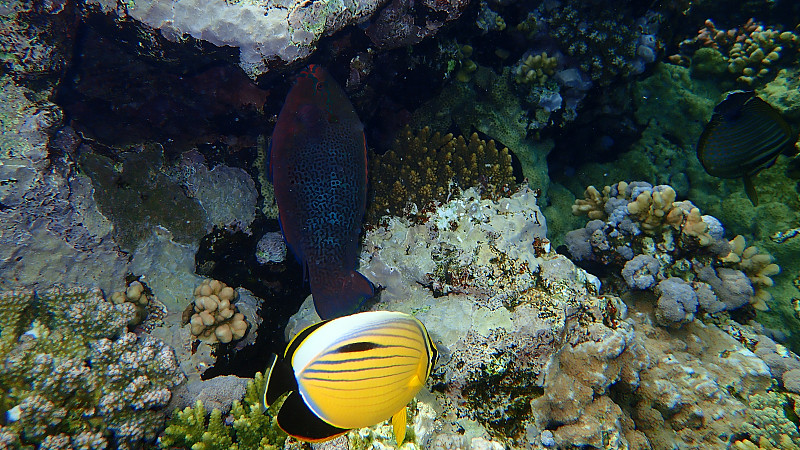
351	372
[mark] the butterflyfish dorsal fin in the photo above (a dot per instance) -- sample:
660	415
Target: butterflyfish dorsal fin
297	420
399	426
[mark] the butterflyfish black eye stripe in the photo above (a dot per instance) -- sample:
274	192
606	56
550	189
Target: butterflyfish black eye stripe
351	372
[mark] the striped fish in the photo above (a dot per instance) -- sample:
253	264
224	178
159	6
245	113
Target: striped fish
351	372
745	135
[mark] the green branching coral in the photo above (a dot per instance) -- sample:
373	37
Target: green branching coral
425	168
246	427
75	377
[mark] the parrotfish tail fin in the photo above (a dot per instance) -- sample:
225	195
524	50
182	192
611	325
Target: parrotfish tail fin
399	426
750	190
296	419
279	380
342	296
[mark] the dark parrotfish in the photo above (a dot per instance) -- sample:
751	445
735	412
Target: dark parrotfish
318	165
745	135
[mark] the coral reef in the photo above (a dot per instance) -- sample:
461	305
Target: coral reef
245	428
610	46
265	34
751	52
213	315
429	167
661	244
535	69
540	359
137	295
404	22
227	194
75	375
137	196
52	230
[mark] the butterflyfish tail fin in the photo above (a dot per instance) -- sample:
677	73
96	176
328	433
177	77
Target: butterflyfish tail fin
399	425
296	419
280	380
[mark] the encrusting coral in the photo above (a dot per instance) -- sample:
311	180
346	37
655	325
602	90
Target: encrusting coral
75	377
213	315
427	167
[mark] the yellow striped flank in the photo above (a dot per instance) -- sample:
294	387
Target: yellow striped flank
359	370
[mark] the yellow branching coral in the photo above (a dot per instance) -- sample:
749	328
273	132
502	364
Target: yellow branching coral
758	267
535	69
424	168
754	56
593	203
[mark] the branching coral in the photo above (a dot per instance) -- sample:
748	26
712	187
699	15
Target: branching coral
652	238
750	52
758	267
246	428
213	315
425	168
535	69
77	378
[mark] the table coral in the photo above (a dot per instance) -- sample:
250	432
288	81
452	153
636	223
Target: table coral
428	167
213	316
77	376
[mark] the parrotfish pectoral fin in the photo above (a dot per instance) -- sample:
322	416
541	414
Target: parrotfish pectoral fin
399	426
296	419
279	380
750	190
348	296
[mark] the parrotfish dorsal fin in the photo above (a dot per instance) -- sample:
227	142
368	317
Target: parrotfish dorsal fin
297	420
280	380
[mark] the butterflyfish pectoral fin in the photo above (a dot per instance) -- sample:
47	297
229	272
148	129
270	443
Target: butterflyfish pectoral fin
297	420
399	426
750	190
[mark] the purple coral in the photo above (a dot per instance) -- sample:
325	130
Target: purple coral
677	302
641	272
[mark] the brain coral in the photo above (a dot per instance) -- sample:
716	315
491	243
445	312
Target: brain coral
425	168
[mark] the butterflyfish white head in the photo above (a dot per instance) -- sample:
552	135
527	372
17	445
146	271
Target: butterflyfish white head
351	372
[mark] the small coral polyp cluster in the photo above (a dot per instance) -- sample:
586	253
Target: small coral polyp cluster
427	167
213	316
669	248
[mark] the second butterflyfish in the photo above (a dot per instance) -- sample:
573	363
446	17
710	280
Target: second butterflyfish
351	372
